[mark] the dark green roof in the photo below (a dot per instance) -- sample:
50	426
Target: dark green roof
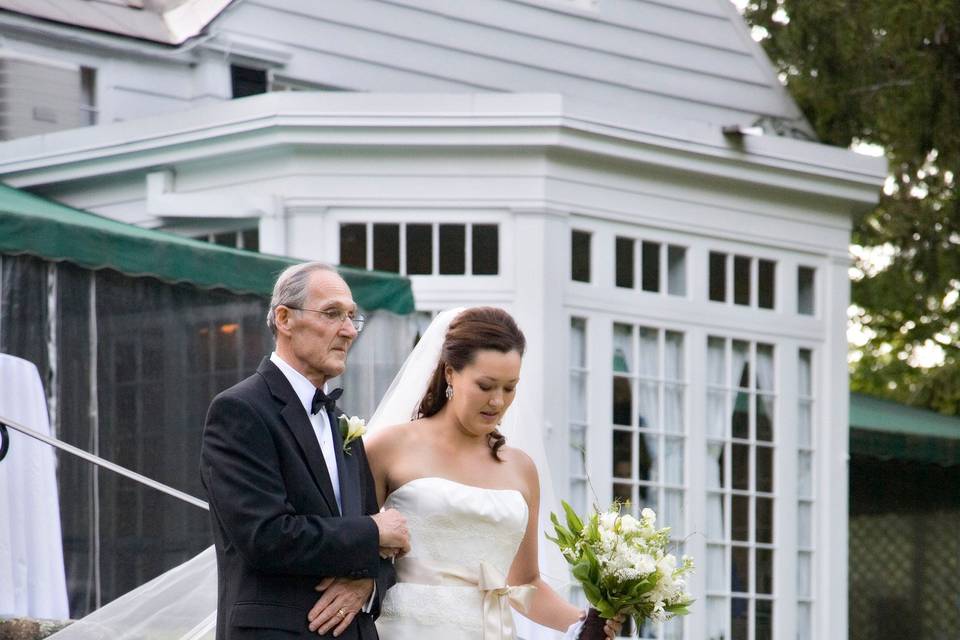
893	431
33	225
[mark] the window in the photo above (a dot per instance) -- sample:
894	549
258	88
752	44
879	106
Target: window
88	93
805	492
422	248
578	415
659	270
649	431
806	277
739	519
753	281
580	256
247	81
248	239
624	262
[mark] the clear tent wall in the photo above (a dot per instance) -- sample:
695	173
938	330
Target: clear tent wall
129	366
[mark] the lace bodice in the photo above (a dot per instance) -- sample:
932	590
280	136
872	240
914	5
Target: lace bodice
454	528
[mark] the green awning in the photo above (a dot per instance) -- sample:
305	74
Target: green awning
892	431
33	225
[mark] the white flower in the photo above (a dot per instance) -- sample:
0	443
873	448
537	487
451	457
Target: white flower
649	517
350	429
609	520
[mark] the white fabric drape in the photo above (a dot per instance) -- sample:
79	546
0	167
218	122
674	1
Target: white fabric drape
32	581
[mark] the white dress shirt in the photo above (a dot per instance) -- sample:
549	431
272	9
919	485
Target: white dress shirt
320	421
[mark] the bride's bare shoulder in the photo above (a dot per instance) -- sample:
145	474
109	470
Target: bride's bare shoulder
388	438
522	465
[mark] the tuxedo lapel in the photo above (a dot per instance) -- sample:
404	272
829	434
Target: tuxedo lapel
347	468
299	424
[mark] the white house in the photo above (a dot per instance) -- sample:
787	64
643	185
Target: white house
627	176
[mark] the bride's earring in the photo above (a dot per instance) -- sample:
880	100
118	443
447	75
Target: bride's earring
449	392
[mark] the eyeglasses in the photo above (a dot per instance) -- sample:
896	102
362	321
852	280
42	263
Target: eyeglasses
336	316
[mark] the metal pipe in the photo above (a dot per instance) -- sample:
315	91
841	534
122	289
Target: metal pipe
106	464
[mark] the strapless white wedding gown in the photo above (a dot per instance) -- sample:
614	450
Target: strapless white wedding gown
452	584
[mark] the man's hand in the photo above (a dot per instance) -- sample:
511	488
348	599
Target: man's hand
342	599
393	531
614	625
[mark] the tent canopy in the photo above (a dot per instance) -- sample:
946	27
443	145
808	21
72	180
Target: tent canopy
33	225
893	431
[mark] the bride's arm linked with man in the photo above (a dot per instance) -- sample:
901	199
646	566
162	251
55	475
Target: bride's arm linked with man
313	538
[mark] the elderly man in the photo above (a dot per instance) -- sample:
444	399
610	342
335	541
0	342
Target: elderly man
294	511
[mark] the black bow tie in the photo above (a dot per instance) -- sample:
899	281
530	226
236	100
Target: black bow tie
327	401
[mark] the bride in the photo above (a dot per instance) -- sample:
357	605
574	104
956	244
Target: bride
470	499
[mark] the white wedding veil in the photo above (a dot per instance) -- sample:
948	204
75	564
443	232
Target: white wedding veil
181	603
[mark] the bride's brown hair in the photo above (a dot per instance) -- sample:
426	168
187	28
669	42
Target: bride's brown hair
475	329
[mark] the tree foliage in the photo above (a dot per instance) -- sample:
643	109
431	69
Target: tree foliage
887	72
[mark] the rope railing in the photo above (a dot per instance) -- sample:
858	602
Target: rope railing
89	457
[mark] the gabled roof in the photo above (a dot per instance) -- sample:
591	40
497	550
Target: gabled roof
36	226
170	22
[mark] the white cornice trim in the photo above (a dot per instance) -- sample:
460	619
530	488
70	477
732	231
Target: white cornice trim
478	121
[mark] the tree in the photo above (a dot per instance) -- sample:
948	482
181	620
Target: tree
887	72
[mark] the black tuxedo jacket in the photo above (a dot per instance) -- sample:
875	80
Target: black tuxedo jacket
276	525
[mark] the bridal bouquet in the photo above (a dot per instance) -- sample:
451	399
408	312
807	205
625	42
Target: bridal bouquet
623	566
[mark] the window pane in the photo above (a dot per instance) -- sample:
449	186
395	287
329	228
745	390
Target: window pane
486	249
739	614
766	275
622	401
647	458
717	617
353	245
624	262
716	367
250	239
805	474
805	290
578	396
804	424
651	266
578	495
764	620
386	247
740	569
764	520
649	364
715	465
578	443
648	416
740	420
804	569
718	276
764	367
741	280
716	414
673	409
676	270
673	513
673	356
623	493
764	418
764	469
740	513
715	515
646	497
804	622
419	249
245	81
226	239
716	569
578	342
622	454
805	373
580	256
805	525
741	466
453	238
741	364
673	460
622	348
764	570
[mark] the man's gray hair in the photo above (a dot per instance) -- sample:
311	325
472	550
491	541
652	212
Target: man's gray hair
291	288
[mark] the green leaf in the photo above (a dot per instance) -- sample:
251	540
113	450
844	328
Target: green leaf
573	520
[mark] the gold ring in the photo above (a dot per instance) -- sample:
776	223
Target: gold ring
341	613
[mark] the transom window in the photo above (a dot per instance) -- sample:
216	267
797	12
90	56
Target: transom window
740	489
422	248
742	280
806	291
248	239
649	432
661	268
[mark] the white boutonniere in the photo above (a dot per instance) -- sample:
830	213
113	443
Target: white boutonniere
351	429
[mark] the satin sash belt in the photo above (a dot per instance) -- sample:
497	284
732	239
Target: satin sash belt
497	595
